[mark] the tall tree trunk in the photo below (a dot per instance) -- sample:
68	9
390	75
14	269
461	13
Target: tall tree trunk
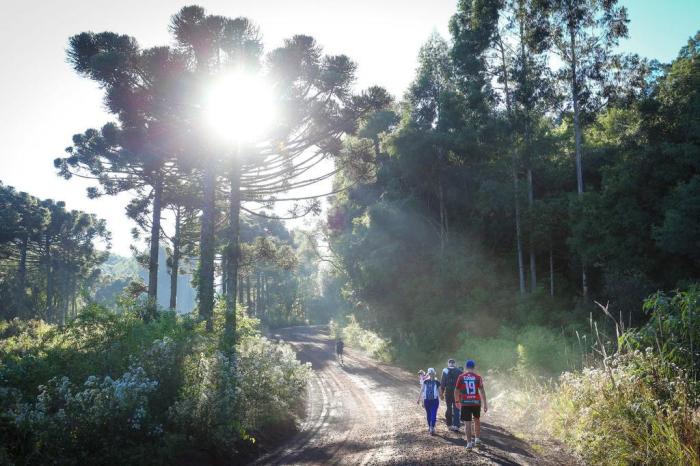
551	271
241	291
249	298
524	81
206	255
74	297
22	277
443	218
155	243
516	187
518	229
175	260
232	251
578	143
65	296
258	294
224	273
49	280
530	203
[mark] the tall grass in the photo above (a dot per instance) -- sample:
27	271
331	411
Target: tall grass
638	409
637	398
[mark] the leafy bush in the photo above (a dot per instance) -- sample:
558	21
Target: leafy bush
102	419
262	365
151	391
355	336
640	410
673	328
530	349
206	408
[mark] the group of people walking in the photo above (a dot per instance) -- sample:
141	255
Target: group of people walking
464	394
462	390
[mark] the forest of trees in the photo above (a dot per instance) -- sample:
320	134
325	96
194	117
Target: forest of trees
532	200
529	171
92	368
48	255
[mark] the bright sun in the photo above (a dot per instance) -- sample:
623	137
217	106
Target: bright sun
240	107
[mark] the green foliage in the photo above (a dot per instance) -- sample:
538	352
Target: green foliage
531	349
48	256
112	388
673	328
262	364
638	405
368	341
103	420
640	410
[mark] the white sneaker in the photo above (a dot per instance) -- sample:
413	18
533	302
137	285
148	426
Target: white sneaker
477	441
470	445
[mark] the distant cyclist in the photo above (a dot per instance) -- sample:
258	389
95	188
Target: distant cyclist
470	392
339	347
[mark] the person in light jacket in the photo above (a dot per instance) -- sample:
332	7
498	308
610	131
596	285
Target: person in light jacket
430	396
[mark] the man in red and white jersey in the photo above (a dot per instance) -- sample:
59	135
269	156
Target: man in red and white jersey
471	394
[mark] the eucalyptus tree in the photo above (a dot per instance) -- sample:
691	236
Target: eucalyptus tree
473	28
520	60
427	138
584	34
139	152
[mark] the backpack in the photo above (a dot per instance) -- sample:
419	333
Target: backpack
451	379
429	386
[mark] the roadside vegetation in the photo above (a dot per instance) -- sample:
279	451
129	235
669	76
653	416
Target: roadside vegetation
530	202
349	330
533	205
109	388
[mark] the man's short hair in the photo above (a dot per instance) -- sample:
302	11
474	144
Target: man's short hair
450	361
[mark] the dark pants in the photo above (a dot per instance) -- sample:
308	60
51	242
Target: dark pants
451	411
431	407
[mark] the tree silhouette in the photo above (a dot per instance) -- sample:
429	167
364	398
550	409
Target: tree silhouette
318	108
142	91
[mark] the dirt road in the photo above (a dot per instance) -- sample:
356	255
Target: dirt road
365	413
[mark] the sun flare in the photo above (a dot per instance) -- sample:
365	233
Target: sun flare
240	107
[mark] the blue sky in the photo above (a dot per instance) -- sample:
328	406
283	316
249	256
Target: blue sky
659	28
43	102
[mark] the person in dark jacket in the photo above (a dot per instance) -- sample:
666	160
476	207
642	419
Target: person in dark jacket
447	388
339	347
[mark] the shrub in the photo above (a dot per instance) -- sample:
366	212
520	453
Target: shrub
272	382
637	411
532	349
206	407
101	421
366	340
673	328
152	391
